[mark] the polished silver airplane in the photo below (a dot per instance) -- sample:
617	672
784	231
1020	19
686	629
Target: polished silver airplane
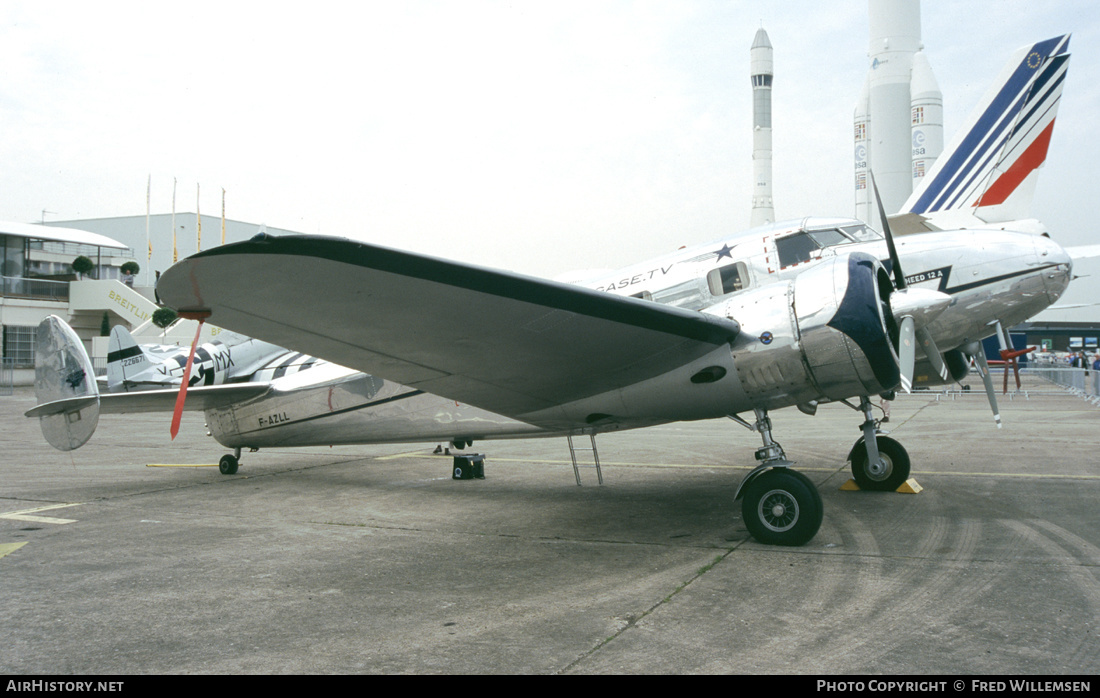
793	314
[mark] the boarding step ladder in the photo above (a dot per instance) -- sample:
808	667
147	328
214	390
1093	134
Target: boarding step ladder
595	458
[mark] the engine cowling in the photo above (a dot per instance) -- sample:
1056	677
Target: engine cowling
823	335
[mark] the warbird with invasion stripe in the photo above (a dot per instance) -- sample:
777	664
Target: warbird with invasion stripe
427	349
231	358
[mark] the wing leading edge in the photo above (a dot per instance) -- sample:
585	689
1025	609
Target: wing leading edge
504	342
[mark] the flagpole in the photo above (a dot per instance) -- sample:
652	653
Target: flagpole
198	221
223	215
175	251
148	243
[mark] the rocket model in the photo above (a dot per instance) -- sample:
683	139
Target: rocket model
899	116
761	70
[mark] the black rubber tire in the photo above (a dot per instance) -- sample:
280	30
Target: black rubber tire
897	466
228	465
782	507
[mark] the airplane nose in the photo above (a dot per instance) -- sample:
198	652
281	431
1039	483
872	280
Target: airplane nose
1058	265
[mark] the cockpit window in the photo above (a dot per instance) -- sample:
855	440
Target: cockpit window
861	233
792	249
828	238
804	245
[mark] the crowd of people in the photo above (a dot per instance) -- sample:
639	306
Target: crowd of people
1081	360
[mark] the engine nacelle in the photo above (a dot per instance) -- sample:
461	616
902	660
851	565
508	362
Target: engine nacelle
958	368
824	335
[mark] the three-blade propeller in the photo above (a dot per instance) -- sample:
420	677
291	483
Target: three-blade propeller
910	305
913	309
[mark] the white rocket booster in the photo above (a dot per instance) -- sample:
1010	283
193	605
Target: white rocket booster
864	196
927	118
899	118
761	72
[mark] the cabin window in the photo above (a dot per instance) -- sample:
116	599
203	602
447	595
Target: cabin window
728	279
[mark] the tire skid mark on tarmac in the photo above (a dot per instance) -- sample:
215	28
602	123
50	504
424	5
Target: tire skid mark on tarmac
1079	564
872	608
903	590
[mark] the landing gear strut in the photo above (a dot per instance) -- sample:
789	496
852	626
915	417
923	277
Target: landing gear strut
879	463
780	506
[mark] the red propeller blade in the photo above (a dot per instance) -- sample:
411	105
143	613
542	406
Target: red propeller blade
177	414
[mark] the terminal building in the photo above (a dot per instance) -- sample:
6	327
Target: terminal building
39	280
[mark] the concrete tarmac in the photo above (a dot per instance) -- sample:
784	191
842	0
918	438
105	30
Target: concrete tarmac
372	559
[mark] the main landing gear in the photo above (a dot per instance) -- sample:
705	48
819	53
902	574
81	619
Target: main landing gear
779	506
783	507
879	463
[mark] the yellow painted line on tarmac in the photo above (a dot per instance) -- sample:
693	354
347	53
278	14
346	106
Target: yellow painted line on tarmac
181	465
550	461
6	548
408	454
29	514
587	462
1039	476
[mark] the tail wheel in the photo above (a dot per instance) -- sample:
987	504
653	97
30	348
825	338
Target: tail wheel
782	507
228	465
885	476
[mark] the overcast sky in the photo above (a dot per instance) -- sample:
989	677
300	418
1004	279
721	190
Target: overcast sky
535	136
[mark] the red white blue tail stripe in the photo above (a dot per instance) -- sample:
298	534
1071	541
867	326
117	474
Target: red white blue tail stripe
1005	140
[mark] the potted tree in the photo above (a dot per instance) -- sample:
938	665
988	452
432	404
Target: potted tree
129	271
163	317
82	265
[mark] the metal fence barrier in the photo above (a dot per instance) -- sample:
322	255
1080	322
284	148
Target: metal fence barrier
1035	380
1084	382
7	375
47	289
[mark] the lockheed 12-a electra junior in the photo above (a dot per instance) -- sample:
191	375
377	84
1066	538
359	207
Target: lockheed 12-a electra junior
792	314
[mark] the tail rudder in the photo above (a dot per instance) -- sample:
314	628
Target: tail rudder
990	168
125	359
64	383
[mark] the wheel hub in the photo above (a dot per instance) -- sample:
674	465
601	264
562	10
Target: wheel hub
879	469
779	510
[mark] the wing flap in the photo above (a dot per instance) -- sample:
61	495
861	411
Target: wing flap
504	342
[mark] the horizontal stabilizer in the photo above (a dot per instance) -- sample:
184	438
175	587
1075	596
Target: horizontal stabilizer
199	398
69	404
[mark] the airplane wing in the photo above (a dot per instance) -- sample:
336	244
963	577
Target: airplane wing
504	342
1083	251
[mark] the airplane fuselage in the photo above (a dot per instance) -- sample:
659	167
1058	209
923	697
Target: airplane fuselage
776	282
1013	275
